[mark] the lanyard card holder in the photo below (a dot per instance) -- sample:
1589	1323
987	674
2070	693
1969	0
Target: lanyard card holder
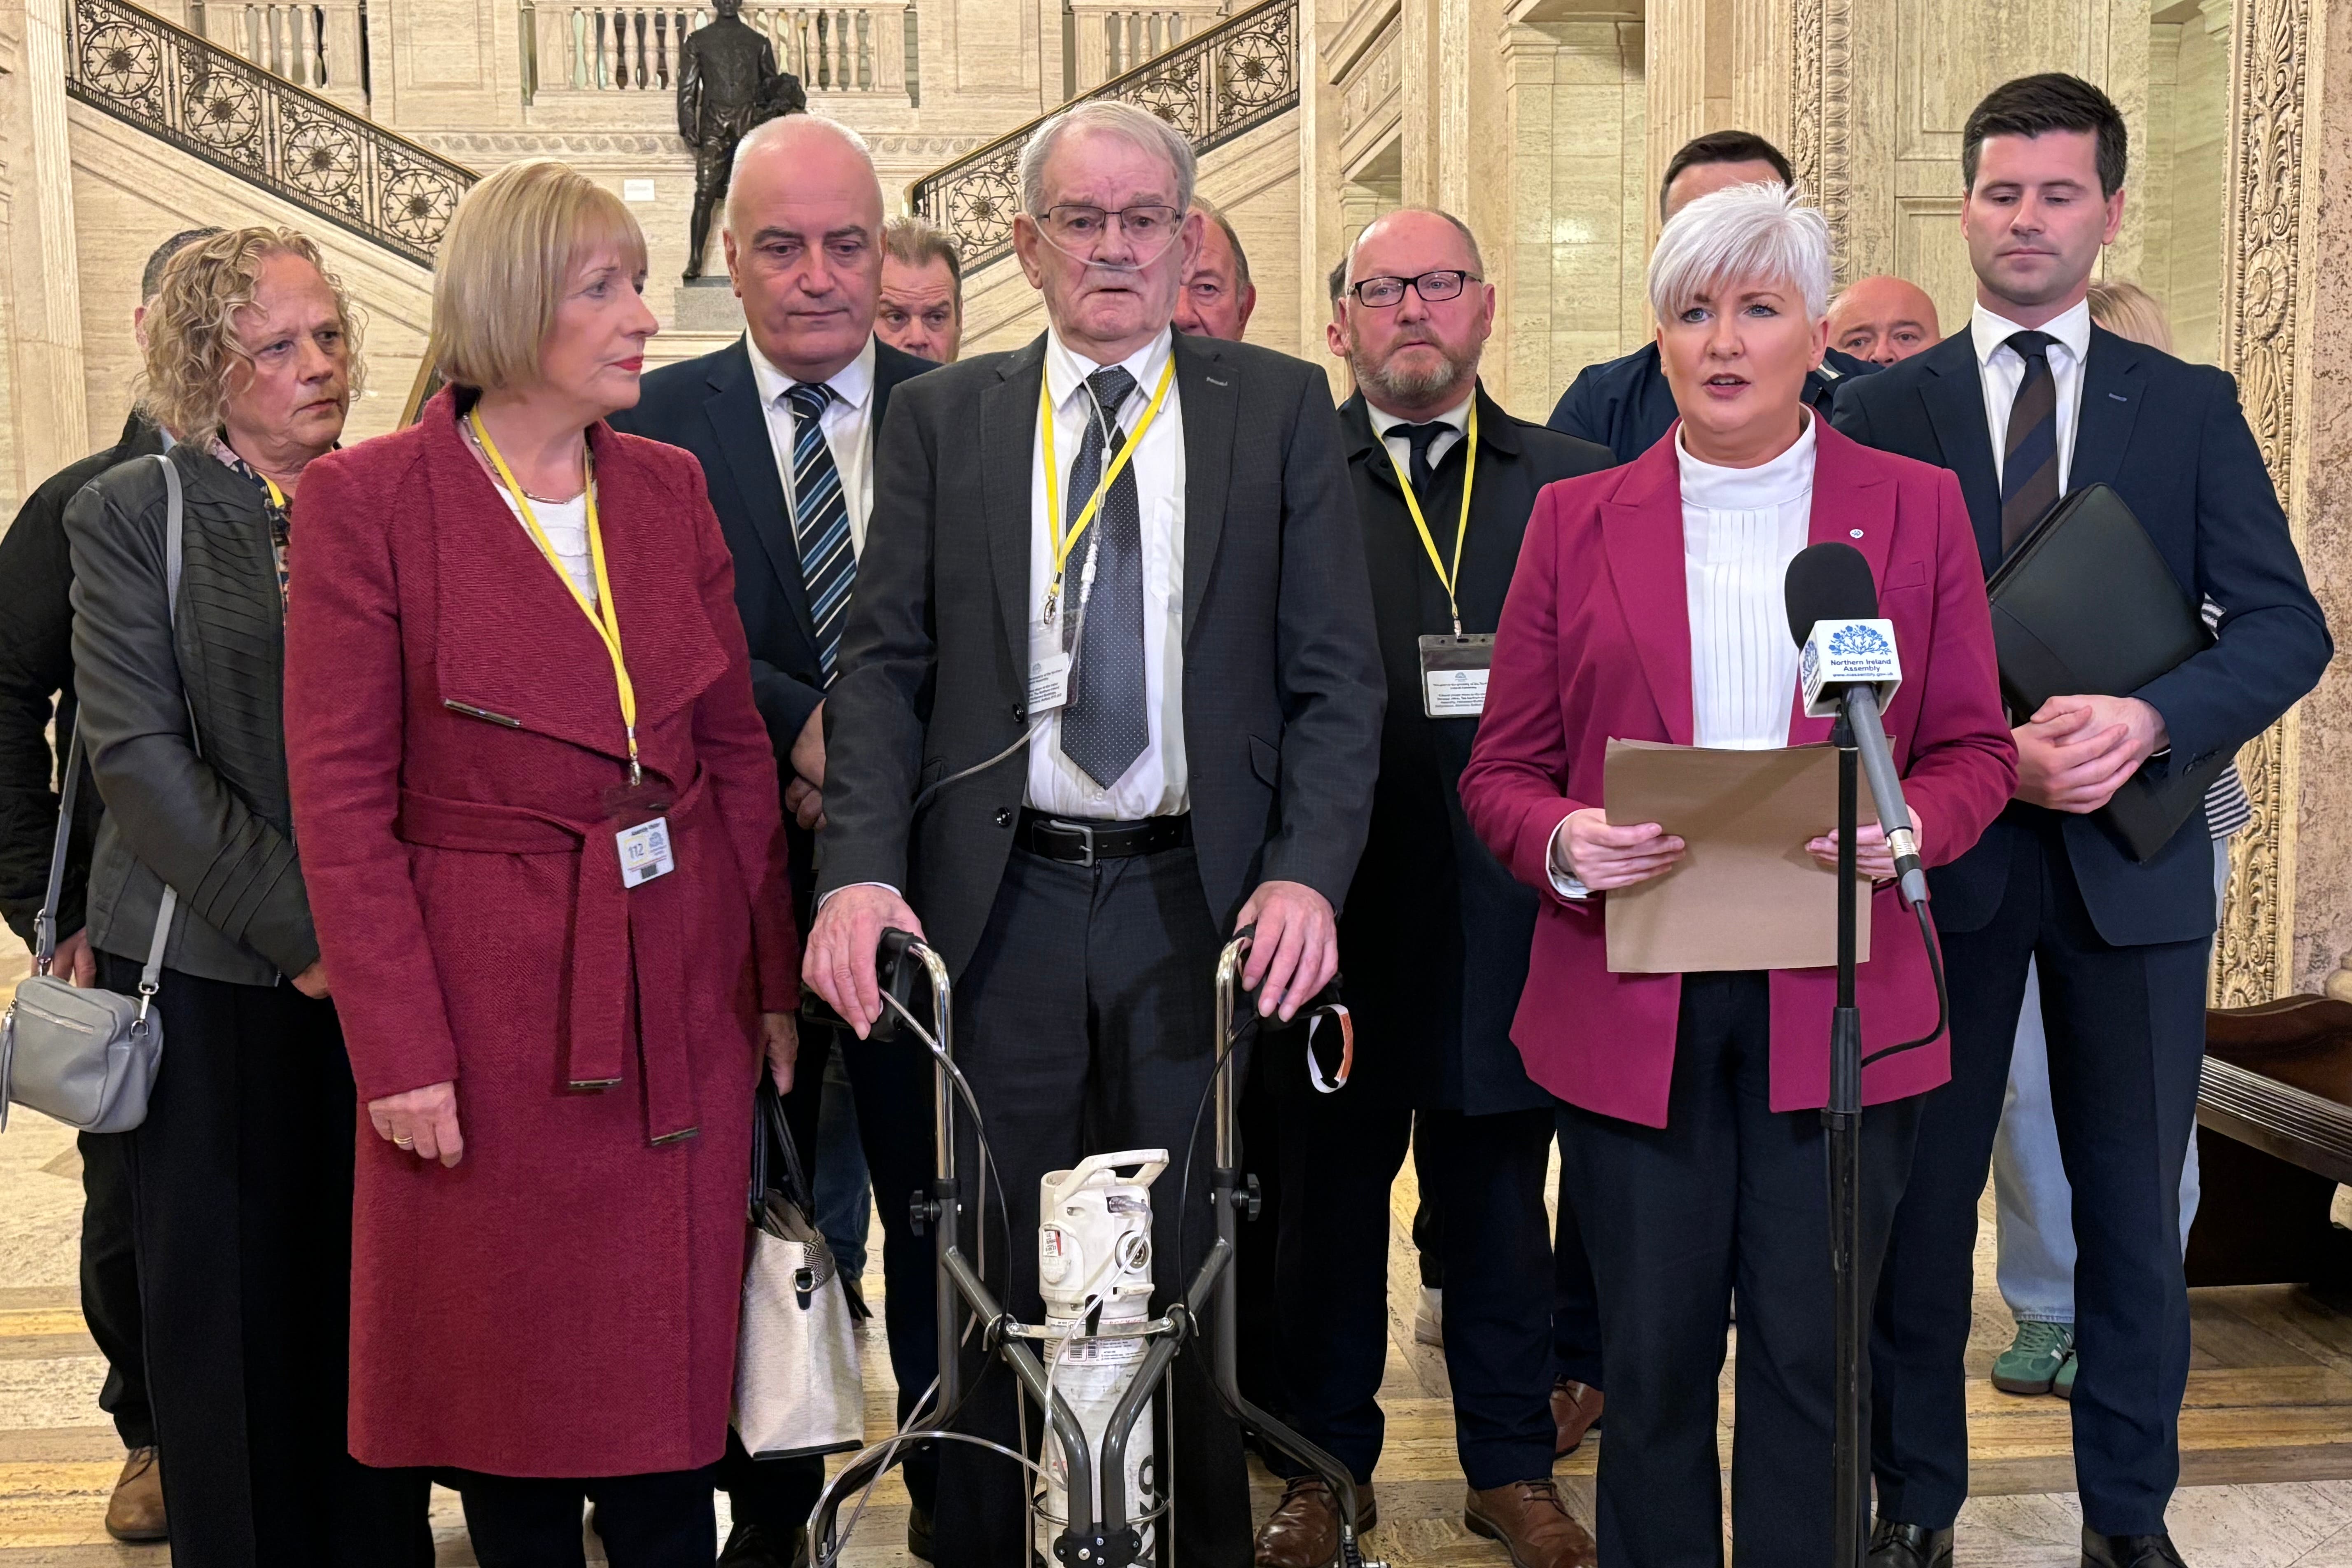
1454	669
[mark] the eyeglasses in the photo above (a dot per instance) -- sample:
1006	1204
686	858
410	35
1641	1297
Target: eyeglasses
1083	226
1434	287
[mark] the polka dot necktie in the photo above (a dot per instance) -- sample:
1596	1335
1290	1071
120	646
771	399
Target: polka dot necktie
1105	727
819	522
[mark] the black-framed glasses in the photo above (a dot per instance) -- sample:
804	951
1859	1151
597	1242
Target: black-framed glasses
1434	287
1077	224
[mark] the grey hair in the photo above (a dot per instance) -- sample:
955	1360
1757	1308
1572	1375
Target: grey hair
1138	127
769	132
1743	232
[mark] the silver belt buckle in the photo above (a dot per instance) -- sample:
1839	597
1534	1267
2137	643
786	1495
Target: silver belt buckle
1086	841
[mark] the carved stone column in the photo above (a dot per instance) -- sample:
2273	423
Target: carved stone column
50	419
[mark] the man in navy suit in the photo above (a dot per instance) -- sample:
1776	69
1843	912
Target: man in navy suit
2031	401
783	421
1624	403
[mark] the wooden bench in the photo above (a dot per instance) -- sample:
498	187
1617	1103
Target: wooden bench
2274	1140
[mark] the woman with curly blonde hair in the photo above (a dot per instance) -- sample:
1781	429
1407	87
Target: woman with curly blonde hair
242	1170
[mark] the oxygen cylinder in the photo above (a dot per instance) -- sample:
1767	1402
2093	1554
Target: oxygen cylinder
1094	1251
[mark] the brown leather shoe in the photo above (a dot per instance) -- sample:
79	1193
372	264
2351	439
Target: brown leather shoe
135	1511
1575	1410
1303	1530
1533	1525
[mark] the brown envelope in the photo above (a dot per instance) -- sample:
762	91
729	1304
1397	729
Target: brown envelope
1744	895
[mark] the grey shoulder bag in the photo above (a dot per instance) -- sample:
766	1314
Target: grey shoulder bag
88	1057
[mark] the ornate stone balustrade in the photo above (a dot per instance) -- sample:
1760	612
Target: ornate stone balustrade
864	49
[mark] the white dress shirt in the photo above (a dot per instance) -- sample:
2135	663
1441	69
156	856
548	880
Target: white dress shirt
1455	419
1156	783
1741	527
2001	368
848	424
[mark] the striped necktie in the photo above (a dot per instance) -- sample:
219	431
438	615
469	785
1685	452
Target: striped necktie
2028	466
819	522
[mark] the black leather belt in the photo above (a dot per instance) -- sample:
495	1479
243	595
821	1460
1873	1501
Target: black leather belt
1079	843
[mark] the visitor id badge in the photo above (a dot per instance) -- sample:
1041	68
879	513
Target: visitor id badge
1454	675
1049	669
644	852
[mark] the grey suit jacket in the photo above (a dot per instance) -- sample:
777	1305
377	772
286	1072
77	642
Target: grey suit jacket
218	826
1283	688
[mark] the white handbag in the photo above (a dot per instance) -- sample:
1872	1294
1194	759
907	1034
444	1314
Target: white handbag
798	1388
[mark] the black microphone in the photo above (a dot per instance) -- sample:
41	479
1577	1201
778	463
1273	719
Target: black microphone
1849	663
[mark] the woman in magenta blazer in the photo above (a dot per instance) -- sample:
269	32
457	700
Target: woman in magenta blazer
1648	605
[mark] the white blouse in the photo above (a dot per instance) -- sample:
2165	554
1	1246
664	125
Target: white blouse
1741	527
565	523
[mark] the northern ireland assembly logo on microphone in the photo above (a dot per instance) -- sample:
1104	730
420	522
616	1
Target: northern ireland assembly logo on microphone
1844	653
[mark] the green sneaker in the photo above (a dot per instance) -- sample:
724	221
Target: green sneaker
2062	1386
2035	1358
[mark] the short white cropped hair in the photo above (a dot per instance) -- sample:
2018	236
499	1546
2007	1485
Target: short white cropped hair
1138	127
1741	233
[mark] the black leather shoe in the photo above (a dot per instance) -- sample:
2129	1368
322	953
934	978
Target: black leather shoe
1893	1545
2129	1551
918	1532
748	1546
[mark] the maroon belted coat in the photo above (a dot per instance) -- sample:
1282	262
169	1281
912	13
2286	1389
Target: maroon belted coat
563	1302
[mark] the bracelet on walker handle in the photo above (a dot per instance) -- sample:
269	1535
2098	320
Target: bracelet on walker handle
1331	1051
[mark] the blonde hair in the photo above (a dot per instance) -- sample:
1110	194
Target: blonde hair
192	347
2130	311
506	263
1742	232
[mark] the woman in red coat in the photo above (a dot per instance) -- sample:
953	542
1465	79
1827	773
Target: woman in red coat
544	858
1648	605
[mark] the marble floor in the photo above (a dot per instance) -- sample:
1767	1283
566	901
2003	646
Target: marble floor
2266	1432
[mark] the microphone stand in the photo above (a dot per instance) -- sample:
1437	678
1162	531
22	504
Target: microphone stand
1842	1117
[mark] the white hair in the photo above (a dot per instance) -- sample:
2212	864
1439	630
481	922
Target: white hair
1138	127
769	132
1741	233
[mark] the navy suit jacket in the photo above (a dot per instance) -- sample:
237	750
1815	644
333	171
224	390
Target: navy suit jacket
2170	438
711	406
1626	406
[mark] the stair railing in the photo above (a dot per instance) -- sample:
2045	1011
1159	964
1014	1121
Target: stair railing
1213	87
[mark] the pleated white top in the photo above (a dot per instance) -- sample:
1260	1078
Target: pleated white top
1741	527
565	523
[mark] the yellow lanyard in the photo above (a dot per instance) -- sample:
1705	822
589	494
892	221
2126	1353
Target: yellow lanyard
1461	530
603	615
276	496
1066	543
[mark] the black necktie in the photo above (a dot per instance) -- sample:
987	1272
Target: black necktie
2029	465
1420	438
1106	727
819	522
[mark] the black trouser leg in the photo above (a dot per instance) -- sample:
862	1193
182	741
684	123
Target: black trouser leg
1727	1194
1084	1023
1257	1244
1483	1180
659	1520
1575	1304
110	1284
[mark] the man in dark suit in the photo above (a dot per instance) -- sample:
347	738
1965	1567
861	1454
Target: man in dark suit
1116	630
36	708
1434	939
1624	403
784	421
2031	401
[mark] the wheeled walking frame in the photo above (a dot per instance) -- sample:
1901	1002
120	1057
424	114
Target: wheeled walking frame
1120	1533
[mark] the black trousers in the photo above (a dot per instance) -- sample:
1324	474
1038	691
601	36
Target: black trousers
242	1209
110	1283
1257	1314
1481	1187
2126	1031
1728	1200
659	1520
891	1083
1084	1023
1575	1303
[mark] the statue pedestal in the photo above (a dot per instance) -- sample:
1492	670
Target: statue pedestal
706	305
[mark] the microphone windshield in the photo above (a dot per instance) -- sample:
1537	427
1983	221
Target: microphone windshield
1829	582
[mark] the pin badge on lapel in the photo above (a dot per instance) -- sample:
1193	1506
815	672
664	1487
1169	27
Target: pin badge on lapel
1854	533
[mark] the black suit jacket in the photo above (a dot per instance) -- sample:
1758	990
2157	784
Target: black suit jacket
711	406
1434	940
37	683
1282	681
1626	406
2170	438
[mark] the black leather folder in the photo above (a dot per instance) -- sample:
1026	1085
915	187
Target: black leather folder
2087	607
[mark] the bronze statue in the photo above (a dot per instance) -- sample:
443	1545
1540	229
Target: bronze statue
728	82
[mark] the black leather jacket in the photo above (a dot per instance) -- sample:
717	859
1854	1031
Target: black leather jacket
218	826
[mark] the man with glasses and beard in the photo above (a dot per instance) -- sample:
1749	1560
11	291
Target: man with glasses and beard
1435	939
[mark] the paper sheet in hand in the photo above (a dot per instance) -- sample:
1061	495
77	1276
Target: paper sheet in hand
1744	895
